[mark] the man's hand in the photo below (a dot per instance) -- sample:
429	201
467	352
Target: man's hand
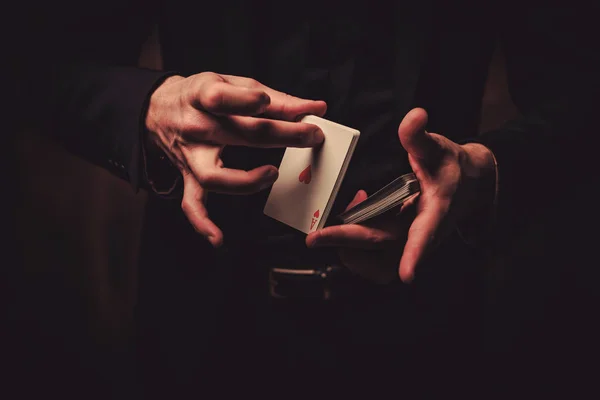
192	119
456	182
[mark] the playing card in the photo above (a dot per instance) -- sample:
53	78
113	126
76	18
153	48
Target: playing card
309	179
391	196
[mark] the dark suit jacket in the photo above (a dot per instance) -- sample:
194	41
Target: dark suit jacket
438	53
93	95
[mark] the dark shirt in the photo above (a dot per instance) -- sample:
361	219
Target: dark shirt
343	56
89	96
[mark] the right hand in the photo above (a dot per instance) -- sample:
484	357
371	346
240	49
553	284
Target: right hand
192	119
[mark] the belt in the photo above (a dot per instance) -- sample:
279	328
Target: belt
328	282
296	273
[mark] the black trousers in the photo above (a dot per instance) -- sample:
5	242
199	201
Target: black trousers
206	321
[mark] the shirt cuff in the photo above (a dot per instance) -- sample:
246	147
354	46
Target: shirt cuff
160	176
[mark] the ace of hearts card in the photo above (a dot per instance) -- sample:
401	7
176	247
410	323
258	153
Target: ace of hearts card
309	179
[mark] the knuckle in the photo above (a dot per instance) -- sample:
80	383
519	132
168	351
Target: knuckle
196	127
284	108
213	97
264	125
209	75
205	177
253	83
186	206
262	97
194	86
260	128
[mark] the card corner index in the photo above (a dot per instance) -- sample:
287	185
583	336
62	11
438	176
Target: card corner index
296	195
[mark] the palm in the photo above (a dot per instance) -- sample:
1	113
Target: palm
379	263
383	249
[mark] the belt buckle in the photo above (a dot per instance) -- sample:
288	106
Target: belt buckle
314	283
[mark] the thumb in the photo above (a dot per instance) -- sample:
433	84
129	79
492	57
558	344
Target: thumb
420	144
359	197
421	236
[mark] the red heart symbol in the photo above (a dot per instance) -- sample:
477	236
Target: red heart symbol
316	214
305	176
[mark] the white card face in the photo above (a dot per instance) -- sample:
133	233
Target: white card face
306	187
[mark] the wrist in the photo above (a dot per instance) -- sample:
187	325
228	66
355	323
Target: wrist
161	175
159	102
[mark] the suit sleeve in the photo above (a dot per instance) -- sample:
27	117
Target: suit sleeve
79	83
552	67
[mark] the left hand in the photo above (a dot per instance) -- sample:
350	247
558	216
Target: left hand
371	248
456	182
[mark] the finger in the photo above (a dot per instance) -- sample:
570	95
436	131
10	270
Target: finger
421	236
287	107
237	181
355	236
193	208
359	197
223	98
408	207
205	164
267	133
415	140
282	106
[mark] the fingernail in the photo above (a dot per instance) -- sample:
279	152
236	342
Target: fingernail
264	102
272	175
214	241
265	98
407	279
269	178
317	137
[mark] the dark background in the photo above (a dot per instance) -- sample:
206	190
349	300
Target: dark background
77	239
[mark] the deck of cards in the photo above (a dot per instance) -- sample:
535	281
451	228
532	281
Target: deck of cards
390	197
309	179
